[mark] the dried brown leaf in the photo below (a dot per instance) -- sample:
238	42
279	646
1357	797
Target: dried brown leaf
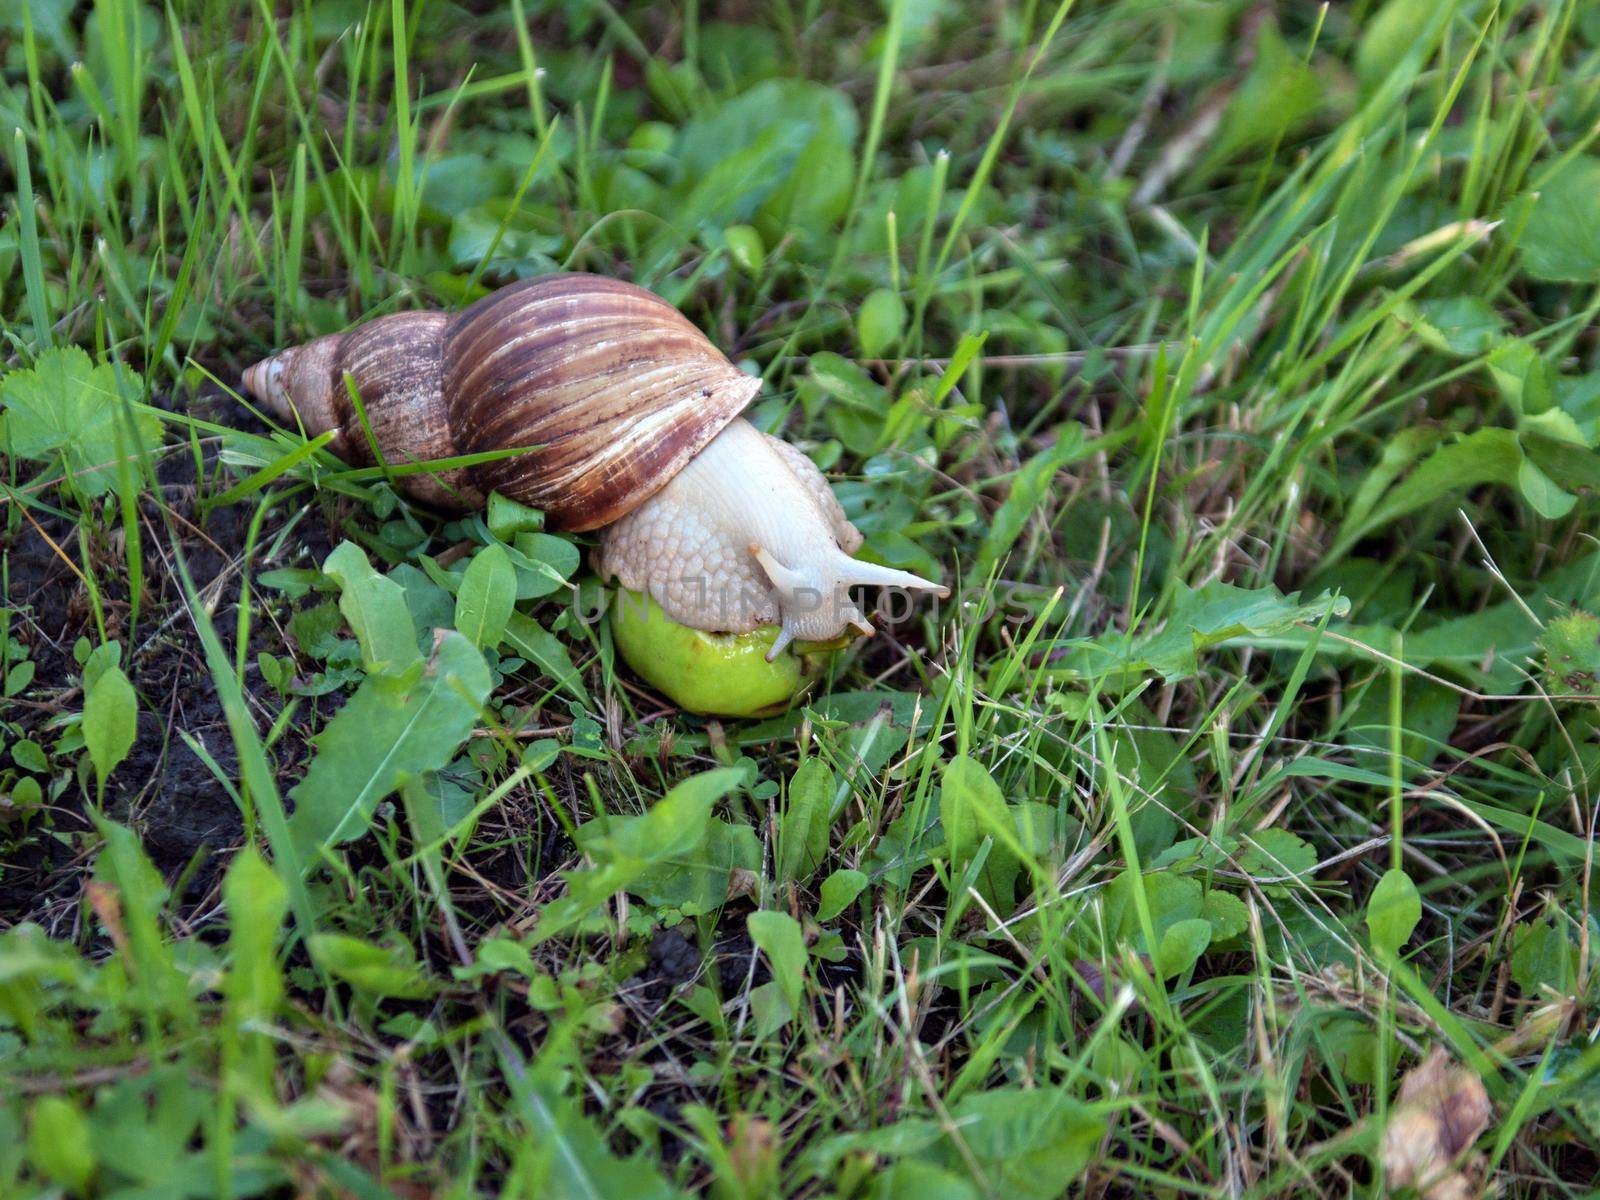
1442	1109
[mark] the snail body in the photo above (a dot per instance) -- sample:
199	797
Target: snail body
630	420
747	534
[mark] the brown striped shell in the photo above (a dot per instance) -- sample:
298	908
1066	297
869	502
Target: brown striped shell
611	387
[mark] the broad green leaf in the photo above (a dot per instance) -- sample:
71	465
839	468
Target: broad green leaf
1482	456
397	724
802	108
507	234
316	630
142	1129
746	249
1397	455
1030	1143
560	1149
30	756
370	969
965	354
544	563
1522	377
278	672
1568	463
1206	617
880	322
294	582
110	720
547	652
812	196
898	1140
1278	93
435	803
18	677
140	891
1488	648
1542	493
1220	612
59	1143
697	880
496	954
1542	959
1352	1047
375	607
1389	34
778	936
107	654
1182	945
1460	326
839	890
869	743
454	183
783	148
66	405
26	796
257	903
770	1011
430	606
733	189
855	405
1561	241
912	1179
28	957
847	382
1571	647
1427	718
1579	396
487	594
1172	898
806	821
1393	911
623	849
1274	853
507	517
1227	913
675	824
972	808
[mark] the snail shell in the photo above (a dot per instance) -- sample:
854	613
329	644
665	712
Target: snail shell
625	416
610	388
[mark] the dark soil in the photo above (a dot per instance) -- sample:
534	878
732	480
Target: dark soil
183	807
185	814
674	959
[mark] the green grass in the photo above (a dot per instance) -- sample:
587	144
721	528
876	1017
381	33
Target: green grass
1240	363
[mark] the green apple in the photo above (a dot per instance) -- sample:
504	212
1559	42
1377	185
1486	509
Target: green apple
722	674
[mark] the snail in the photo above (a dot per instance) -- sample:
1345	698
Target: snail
631	420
